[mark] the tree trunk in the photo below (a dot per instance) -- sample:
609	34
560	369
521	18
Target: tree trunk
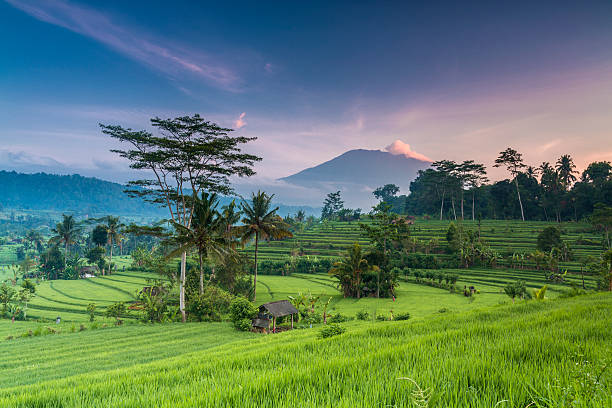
442	205
182	286
110	266
519	198
255	277
453	204
201	276
473	206
358	290
461	204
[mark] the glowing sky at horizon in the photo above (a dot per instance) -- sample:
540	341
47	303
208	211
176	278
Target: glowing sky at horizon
443	81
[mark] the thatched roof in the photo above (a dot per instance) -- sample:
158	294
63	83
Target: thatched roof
279	308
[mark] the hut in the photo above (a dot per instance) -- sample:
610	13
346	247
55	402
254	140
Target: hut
89	271
271	311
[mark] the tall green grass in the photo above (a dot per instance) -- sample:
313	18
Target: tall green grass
533	354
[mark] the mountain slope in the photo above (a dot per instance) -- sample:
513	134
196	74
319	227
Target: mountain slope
85	195
358	172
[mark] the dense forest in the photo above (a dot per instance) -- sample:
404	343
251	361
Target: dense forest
548	192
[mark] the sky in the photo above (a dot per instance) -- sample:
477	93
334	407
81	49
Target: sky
434	80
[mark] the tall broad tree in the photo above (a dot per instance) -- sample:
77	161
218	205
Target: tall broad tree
187	156
260	221
332	205
513	162
474	176
448	181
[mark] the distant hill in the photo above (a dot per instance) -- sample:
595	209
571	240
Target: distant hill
72	193
358	172
84	195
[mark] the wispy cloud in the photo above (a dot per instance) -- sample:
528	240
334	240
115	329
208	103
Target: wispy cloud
160	55
240	122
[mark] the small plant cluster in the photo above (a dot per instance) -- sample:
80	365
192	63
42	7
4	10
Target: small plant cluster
47	330
436	279
331	330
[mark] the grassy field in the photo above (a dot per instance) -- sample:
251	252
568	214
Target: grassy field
537	354
329	240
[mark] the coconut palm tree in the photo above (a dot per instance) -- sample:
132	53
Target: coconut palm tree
348	271
113	231
65	232
206	234
261	222
35	238
230	216
566	170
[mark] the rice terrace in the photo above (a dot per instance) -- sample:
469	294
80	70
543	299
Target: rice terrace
223	205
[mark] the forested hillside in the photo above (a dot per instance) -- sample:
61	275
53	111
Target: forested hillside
73	193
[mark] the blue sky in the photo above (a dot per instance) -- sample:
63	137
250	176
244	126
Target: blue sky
457	80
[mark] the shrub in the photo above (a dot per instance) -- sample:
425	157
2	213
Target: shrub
210	305
243	324
331	330
241	310
338	318
363	315
381	318
402	316
549	238
116	310
91	309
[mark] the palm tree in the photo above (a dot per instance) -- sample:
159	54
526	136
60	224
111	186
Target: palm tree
566	170
206	234
113	232
65	232
230	216
261	222
36	239
348	271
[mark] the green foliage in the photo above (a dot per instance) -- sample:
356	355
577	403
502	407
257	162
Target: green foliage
52	263
116	310
91	311
211	305
99	235
516	289
242	310
331	330
548	239
539	294
363	315
402	316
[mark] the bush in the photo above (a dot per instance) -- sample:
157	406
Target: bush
338	318
549	238
91	309
331	330
381	318
210	305
242	310
243	324
363	315
402	316
116	310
